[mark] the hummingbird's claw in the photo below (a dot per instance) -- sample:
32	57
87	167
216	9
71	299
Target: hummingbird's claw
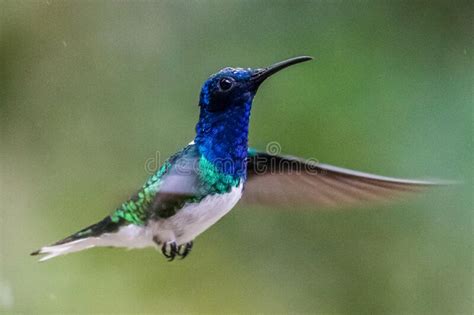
184	249
169	250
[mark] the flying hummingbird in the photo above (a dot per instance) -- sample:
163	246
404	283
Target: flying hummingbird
198	185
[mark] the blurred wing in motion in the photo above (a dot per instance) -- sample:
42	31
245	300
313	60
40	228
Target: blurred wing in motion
285	180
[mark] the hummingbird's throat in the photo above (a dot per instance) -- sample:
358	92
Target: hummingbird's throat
222	139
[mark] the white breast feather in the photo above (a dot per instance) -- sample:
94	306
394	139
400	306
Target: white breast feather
195	218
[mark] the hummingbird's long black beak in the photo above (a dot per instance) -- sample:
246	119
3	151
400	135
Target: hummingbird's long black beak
261	74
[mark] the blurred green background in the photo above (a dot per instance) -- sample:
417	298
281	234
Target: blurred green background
90	90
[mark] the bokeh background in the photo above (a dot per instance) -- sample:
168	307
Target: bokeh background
90	90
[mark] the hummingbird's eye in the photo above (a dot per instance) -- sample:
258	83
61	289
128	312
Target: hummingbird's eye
226	84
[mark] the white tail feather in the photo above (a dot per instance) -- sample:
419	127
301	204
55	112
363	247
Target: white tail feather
130	236
63	249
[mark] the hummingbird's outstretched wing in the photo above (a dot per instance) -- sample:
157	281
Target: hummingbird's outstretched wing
286	180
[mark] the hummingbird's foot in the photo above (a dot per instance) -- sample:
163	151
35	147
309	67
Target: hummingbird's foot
184	249
169	250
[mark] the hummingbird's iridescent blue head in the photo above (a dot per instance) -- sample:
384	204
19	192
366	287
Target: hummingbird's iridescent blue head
225	103
229	86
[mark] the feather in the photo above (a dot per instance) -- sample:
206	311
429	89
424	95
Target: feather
285	180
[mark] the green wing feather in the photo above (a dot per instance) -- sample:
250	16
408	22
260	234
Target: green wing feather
186	177
135	209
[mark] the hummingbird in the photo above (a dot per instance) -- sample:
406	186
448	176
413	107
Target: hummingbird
198	185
